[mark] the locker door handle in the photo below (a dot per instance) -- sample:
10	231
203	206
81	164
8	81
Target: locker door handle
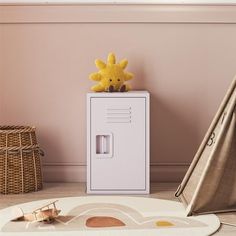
104	145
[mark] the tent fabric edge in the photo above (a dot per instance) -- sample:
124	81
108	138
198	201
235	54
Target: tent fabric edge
181	187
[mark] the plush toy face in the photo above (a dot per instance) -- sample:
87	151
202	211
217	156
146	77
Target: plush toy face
111	76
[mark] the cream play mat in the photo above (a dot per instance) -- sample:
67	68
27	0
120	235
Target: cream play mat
110	215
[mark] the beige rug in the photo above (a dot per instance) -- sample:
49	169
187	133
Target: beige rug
111	215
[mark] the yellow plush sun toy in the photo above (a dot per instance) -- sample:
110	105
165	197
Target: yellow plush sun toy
111	76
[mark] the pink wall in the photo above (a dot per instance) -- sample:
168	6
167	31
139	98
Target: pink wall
44	71
1	77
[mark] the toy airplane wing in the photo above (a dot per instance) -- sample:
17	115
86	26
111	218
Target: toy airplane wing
45	213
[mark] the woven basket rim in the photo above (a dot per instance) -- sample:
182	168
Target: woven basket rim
6	129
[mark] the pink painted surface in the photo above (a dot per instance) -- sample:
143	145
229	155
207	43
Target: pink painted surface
44	72
1	78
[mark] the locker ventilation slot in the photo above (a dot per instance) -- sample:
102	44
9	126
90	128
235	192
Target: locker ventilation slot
119	115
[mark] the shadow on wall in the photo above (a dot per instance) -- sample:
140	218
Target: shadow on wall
174	133
139	82
173	137
48	141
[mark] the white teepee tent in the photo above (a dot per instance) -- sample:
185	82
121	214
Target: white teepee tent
210	182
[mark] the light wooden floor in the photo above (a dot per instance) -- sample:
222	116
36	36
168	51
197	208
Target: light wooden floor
54	190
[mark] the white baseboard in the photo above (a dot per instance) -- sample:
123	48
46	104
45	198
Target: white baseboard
71	172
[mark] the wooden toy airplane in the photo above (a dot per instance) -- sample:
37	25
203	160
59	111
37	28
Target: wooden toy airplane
47	214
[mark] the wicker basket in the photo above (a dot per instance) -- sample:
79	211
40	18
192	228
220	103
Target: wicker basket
17	136
20	165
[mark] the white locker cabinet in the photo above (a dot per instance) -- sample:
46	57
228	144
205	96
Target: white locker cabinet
118	143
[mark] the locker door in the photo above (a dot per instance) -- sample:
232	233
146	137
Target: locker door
118	145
